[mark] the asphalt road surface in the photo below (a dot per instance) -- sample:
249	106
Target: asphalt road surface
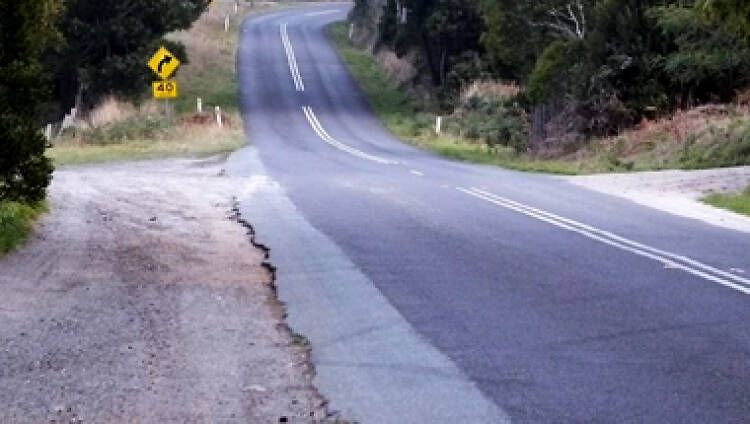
435	291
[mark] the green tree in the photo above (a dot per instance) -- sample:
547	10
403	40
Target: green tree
732	14
25	31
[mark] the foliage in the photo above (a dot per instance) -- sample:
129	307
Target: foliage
24	32
16	223
495	121
728	146
732	14
604	64
447	32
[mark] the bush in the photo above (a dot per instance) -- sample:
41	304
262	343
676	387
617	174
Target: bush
719	147
15	223
495	121
24	170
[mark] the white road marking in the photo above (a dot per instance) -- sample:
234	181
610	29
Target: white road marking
299	85
324	12
321	132
417	173
668	259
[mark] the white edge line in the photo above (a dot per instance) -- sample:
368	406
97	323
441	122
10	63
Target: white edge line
299	85
619	245
620	239
321	132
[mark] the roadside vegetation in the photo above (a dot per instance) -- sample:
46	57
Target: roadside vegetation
16	223
414	122
26	30
141	128
562	86
736	202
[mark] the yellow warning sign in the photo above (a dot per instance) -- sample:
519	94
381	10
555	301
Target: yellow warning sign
163	63
165	89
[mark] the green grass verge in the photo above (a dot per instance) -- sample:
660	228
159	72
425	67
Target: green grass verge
16	223
145	149
739	202
407	122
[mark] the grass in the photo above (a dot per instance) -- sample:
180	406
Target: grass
118	131
737	202
16	223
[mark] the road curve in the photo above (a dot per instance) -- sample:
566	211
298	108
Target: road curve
435	291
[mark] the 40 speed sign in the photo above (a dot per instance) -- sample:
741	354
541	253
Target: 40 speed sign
165	89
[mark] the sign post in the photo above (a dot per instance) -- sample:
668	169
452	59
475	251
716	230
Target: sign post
164	64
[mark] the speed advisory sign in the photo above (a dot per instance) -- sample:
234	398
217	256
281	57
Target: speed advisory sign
165	89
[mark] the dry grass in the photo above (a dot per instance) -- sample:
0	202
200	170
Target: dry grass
705	136
398	69
487	88
110	111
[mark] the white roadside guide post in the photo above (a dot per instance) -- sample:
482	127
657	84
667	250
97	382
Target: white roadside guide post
218	116
199	105
48	132
226	24
351	31
236	7
438	124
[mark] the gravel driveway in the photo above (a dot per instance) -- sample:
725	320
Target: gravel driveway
140	299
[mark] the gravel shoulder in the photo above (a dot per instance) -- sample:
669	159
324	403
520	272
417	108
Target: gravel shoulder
677	192
141	299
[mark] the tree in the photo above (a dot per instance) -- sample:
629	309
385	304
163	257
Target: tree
732	14
444	31
26	29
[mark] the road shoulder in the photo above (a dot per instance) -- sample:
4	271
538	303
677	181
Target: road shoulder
677	192
369	361
141	299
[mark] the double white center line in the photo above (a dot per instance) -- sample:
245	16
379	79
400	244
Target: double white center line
292	59
323	134
669	260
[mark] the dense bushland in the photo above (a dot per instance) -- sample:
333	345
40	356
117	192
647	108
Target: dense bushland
588	68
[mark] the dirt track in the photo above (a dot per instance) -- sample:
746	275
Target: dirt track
139	299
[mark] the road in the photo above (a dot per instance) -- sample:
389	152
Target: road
435	291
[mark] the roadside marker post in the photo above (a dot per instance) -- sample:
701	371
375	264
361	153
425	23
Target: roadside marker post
199	105
438	125
218	116
48	132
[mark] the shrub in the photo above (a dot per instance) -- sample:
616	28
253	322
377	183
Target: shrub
495	121
24	170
